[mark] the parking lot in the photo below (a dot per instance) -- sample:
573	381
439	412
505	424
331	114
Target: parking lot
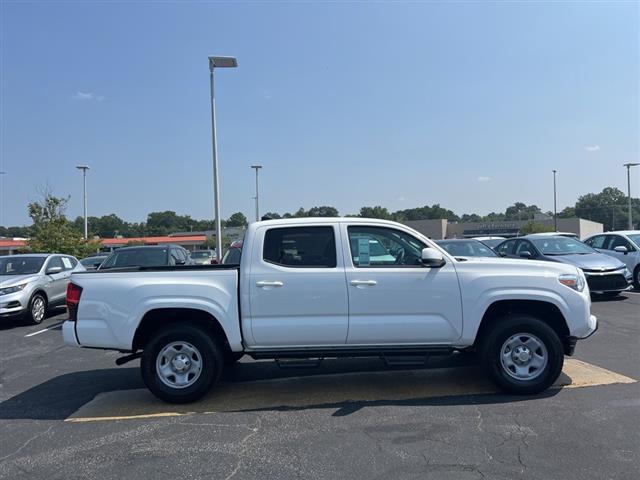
69	413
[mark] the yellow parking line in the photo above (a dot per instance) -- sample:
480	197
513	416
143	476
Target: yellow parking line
126	417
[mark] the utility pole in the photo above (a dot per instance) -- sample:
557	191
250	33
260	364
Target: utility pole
84	169
257	167
2	174
629	165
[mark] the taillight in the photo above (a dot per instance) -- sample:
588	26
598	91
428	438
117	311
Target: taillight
73	300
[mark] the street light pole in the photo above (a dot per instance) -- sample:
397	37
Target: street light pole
2	174
629	165
84	169
257	167
217	62
555	208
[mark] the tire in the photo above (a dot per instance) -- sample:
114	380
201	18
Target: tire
176	351
518	336
636	277
37	310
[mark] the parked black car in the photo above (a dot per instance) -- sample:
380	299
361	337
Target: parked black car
93	262
149	256
604	274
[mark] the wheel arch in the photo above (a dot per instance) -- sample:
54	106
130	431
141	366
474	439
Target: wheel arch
158	318
544	311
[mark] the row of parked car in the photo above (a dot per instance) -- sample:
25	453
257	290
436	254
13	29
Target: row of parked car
610	261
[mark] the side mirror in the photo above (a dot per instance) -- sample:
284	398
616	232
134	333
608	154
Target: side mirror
53	270
525	254
432	258
621	249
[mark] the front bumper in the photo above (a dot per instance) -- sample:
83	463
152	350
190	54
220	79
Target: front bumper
608	282
570	342
13	304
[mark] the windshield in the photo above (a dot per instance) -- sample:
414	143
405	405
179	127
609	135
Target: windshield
202	254
91	261
561	246
471	248
635	238
140	257
20	265
232	257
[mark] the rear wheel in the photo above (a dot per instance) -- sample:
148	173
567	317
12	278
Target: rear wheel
522	354
37	309
636	277
181	363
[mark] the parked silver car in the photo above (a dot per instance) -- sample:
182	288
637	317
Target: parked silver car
31	284
623	245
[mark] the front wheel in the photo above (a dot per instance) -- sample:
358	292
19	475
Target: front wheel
522	354
37	309
181	363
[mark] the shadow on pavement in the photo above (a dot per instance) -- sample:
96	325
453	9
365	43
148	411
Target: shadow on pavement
59	397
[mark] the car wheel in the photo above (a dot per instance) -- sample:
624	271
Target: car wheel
181	363
37	309
636	278
522	354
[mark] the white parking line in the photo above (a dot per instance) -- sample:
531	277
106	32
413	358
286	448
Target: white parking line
44	329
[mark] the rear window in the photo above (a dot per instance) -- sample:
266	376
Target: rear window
152	257
300	247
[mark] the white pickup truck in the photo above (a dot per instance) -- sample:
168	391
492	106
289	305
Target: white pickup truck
333	287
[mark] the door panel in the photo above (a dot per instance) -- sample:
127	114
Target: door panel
57	284
398	304
297	289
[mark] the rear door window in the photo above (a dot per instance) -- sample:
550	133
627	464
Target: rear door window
301	247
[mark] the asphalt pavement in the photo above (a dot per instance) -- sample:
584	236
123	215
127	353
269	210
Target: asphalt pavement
68	413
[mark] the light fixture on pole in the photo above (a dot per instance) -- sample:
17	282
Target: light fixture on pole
257	167
629	165
84	169
217	62
555	208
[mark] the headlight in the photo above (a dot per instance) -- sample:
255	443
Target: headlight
14	289
572	281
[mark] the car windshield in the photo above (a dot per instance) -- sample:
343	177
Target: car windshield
635	238
20	265
91	261
138	257
201	254
469	248
232	257
561	246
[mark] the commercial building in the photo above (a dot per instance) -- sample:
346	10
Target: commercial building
442	228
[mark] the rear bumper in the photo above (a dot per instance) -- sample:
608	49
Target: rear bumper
69	334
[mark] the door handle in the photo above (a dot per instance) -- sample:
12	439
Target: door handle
264	283
363	283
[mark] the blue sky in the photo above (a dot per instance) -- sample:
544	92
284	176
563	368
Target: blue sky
347	104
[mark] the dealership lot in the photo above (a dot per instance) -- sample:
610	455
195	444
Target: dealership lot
69	413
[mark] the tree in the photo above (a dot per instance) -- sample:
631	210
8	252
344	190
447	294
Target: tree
534	227
609	207
52	232
163	223
375	212
237	220
521	211
323	211
272	215
426	213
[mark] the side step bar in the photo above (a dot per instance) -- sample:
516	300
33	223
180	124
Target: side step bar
384	353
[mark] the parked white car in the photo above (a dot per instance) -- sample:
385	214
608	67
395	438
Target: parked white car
31	284
623	245
305	289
